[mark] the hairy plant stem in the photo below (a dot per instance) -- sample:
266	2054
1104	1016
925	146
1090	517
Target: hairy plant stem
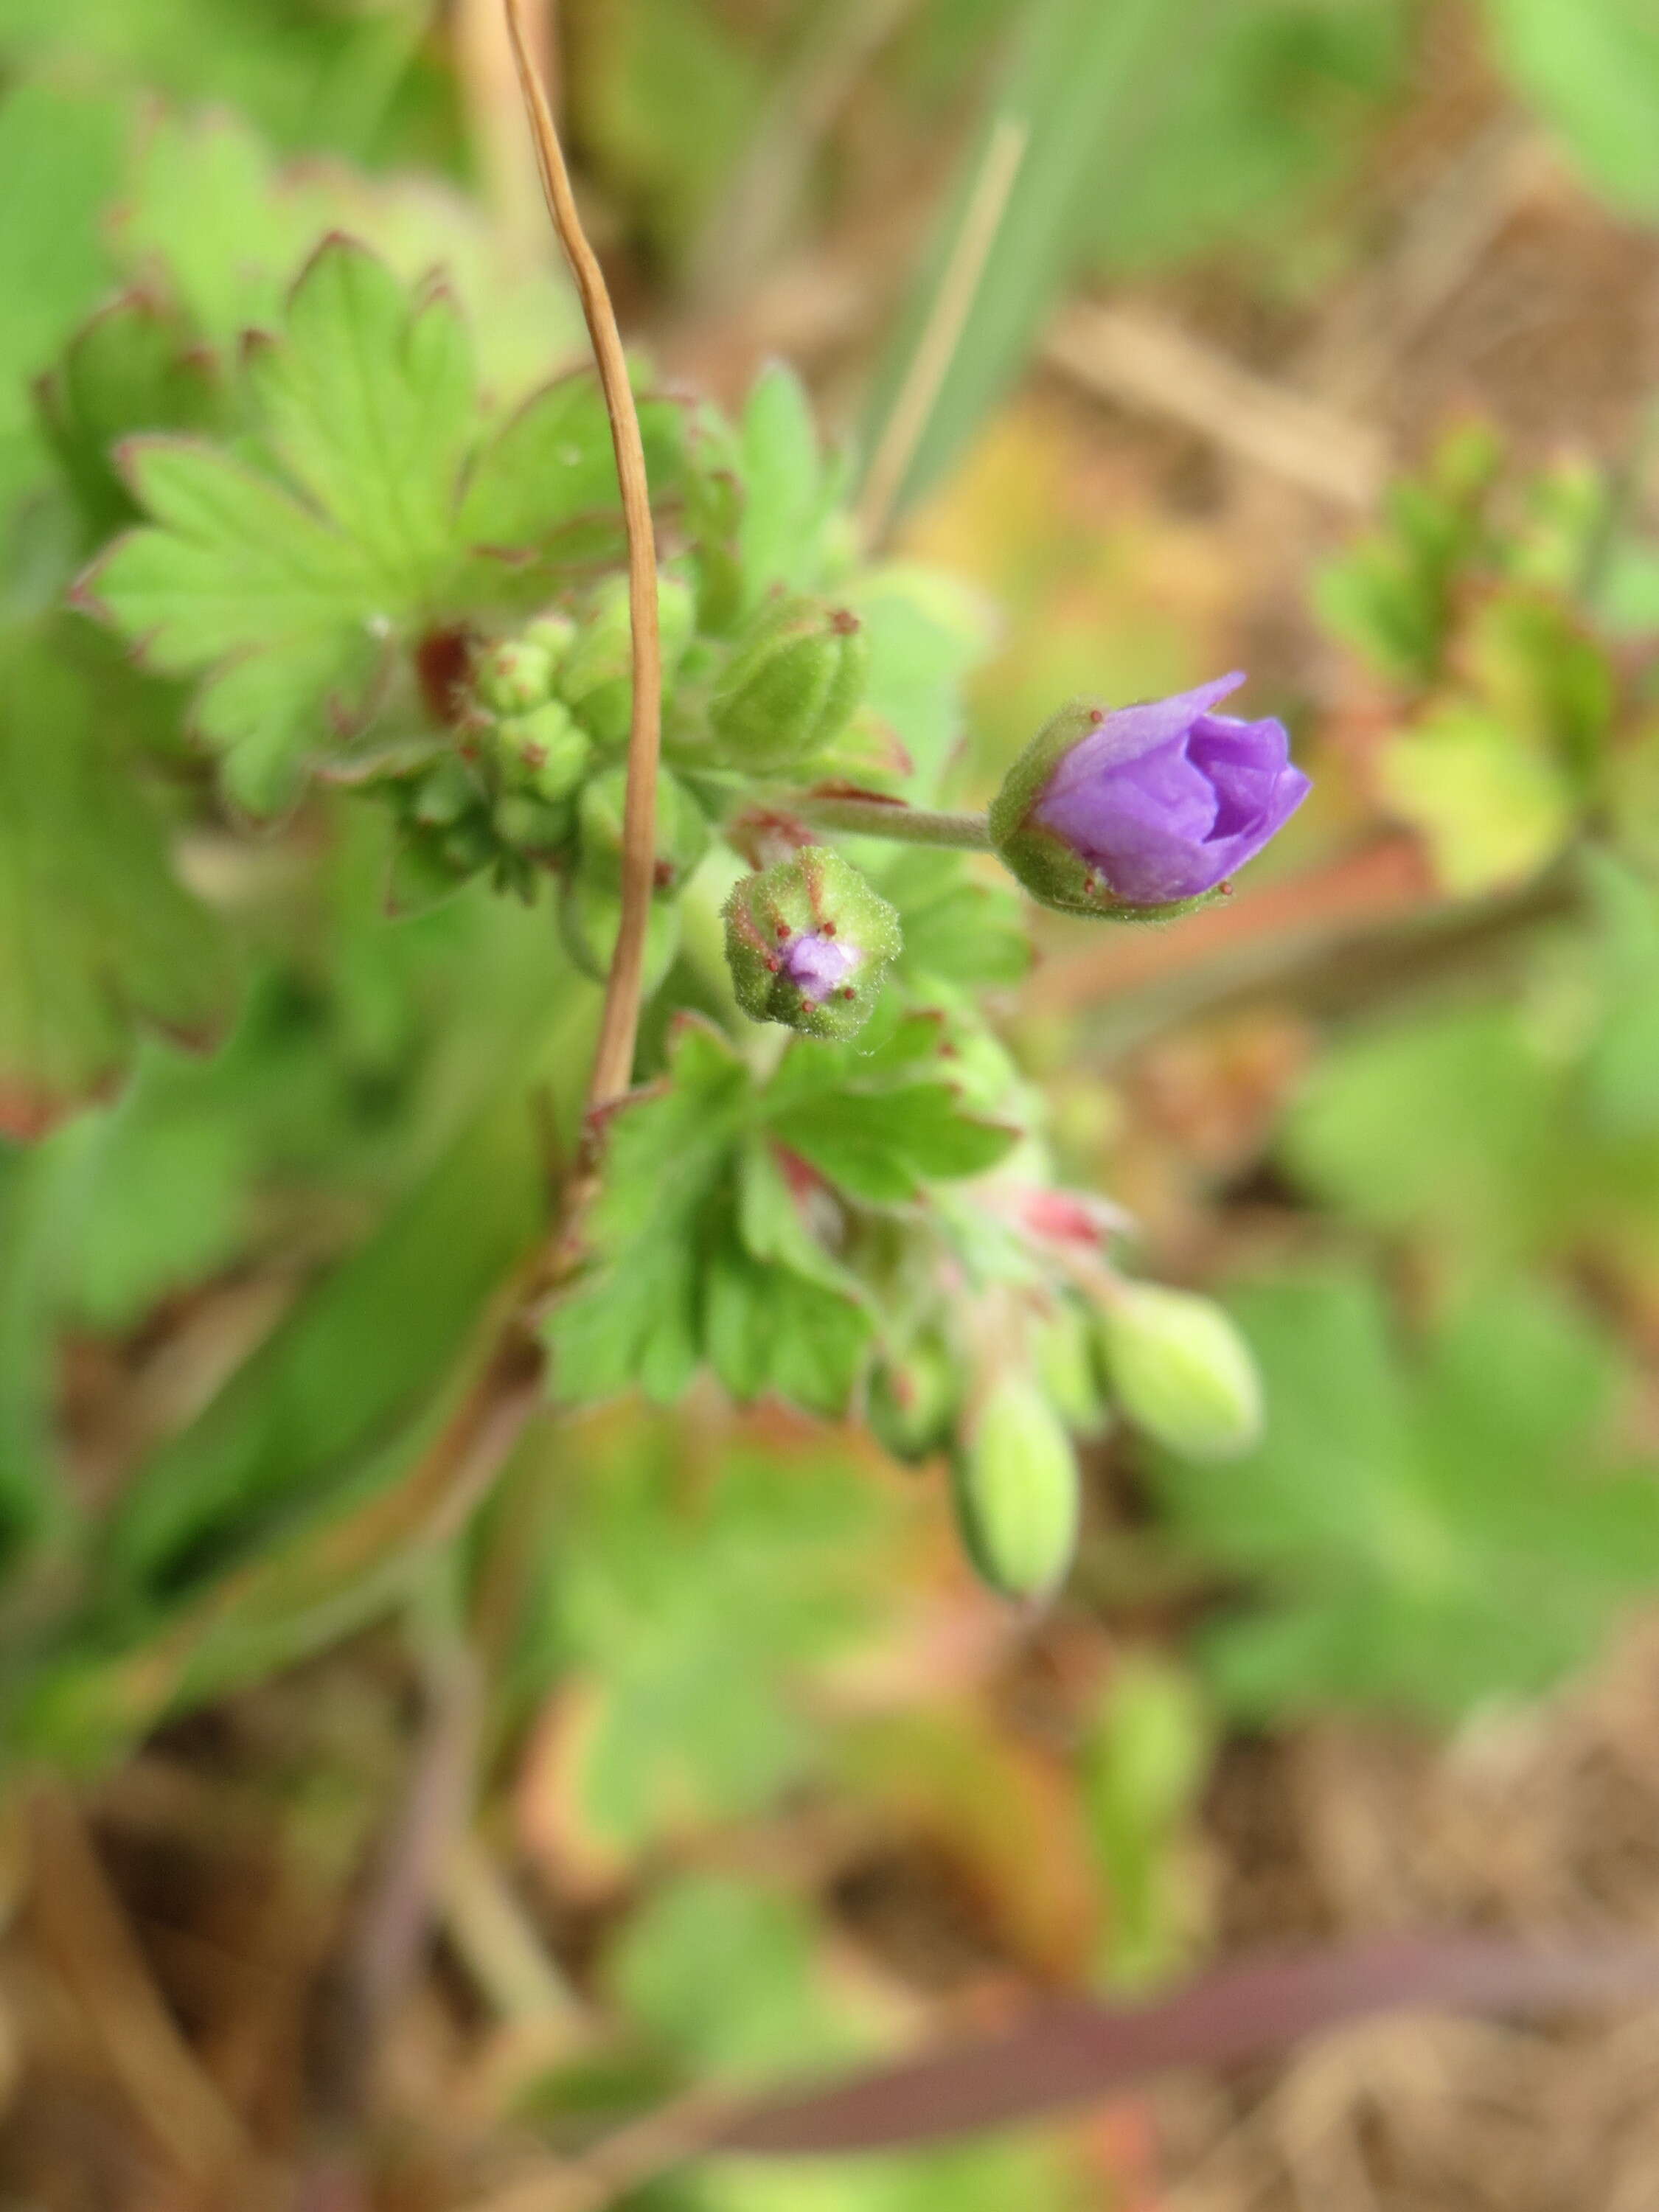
613	1057
886	817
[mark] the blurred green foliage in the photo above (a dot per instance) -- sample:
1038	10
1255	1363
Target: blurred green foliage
1537	1137
1592	69
687	1615
1145	133
312	74
1497	608
1431	1531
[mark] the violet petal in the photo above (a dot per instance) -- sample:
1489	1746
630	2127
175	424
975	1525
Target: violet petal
817	964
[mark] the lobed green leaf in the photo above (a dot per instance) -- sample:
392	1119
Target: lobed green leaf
97	937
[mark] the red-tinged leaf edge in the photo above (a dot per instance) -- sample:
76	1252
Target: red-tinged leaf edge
503	424
840	787
539	550
647	393
331	243
29	1112
347	720
142	299
433	288
83	594
1067	2054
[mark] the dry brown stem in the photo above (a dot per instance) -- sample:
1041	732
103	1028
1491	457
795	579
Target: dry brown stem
1137	359
613	1058
84	1928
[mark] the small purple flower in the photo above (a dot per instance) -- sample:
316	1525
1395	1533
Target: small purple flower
1145	807
817	963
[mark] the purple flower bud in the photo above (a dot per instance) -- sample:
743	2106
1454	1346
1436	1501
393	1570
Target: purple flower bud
1147	807
809	943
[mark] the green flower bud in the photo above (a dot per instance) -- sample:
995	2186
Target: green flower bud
1181	1370
808	943
681	828
792	687
443	794
1017	1489
590	916
468	846
514	675
420	876
554	634
596	679
528	824
1064	1350
546	752
914	1400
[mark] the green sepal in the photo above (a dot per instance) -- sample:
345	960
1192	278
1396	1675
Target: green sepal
429	865
442	794
1066	1354
470	845
792	687
525	824
554	634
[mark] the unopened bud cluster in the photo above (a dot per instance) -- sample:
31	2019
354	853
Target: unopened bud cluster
534	781
1133	812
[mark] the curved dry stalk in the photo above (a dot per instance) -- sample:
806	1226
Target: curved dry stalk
613	1057
82	1925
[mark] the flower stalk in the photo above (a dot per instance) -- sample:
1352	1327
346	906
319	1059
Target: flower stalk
887	818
